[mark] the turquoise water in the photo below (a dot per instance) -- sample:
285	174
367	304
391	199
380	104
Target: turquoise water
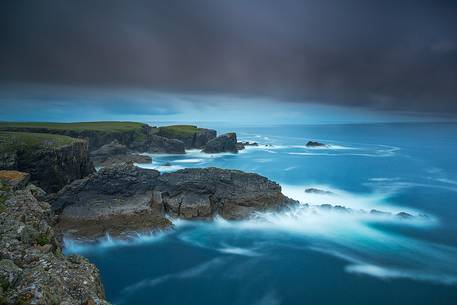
308	255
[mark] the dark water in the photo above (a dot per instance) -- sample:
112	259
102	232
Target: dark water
309	255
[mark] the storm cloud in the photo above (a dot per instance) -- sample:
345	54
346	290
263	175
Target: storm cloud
390	55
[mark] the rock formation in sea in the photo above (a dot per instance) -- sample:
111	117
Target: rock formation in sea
125	198
223	143
33	269
315	144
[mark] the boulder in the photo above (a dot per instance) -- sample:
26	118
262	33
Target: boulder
223	143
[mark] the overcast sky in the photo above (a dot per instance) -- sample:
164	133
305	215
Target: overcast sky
388	56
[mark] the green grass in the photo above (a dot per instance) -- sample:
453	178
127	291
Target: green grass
77	126
178	130
12	141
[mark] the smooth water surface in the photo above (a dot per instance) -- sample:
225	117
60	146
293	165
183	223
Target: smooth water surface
308	255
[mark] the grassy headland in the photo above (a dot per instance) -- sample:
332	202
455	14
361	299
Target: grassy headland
13	141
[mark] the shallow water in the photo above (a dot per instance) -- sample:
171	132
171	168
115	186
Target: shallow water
308	255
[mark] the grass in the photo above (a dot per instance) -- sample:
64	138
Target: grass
178	130
77	126
13	141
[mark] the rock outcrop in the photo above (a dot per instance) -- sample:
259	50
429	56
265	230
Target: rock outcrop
126	198
33	269
203	193
158	144
51	166
223	143
191	136
116	153
315	144
113	200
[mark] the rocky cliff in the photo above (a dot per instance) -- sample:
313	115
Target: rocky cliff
126	198
52	161
33	269
223	143
191	136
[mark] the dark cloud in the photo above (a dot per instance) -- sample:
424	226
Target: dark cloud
394	55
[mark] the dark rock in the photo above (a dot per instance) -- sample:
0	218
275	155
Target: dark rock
115	153
223	143
404	215
202	193
317	191
111	149
191	136
113	200
158	144
167	164
202	137
51	168
126	198
380	213
32	267
120	159
315	144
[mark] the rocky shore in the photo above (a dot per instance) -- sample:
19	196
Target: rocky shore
33	269
126	198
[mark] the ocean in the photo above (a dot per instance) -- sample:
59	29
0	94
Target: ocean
307	255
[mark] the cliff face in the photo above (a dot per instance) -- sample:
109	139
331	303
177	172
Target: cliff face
191	136
33	269
51	166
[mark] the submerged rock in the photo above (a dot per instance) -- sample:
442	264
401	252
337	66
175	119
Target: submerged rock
33	269
223	143
126	198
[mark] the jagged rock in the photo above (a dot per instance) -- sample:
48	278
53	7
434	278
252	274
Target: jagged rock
223	143
51	166
202	193
380	213
32	267
315	144
126	198
202	137
191	136
113	200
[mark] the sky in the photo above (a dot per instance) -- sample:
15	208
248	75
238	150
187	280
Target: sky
247	60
